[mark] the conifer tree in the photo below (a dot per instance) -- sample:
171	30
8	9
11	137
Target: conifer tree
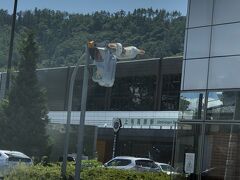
27	110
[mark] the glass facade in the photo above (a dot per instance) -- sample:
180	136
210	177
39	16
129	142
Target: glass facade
133	93
200	13
142	85
188	141
201	48
196	74
223	105
211	132
191	105
225	36
226	11
170	96
221	149
54	81
224	73
209	117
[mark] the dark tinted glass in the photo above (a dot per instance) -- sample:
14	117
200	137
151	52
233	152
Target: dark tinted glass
96	97
139	86
19	159
119	162
188	141
223	105
146	163
170	92
133	93
221	152
55	83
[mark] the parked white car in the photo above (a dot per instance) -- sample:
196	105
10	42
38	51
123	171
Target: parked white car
132	163
9	159
166	168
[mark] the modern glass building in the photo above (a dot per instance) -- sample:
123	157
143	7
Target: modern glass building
145	97
208	142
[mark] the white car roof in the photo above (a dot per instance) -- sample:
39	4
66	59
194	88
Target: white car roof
14	153
132	158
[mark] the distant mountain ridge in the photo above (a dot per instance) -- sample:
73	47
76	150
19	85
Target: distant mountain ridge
61	35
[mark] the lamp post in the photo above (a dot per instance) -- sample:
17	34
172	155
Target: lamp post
67	126
11	47
90	50
83	111
117	124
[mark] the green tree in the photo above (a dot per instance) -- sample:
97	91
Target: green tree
3	123
60	34
27	111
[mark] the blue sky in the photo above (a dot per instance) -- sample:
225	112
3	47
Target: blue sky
89	6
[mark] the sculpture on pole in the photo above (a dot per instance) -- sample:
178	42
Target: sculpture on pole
105	59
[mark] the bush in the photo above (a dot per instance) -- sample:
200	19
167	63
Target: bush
92	170
113	174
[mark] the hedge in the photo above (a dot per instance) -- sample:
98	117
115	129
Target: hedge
91	171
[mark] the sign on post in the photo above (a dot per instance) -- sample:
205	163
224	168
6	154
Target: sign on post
117	124
189	163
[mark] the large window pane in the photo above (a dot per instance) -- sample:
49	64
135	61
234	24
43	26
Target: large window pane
221	158
135	86
225	40
224	72
220	105
188	141
96	97
170	92
198	42
55	82
223	105
191	105
200	13
133	93
226	11
196	74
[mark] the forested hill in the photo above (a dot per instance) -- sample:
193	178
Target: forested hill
61	35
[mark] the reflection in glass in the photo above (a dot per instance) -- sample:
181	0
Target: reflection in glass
191	105
54	81
220	105
188	141
170	92
133	93
221	152
96	97
223	105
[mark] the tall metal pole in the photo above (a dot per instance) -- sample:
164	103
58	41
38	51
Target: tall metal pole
114	144
11	47
67	126
82	116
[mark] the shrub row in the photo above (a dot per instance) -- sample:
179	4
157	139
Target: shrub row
91	171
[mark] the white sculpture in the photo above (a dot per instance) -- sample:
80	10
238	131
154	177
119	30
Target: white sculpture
128	52
105	62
